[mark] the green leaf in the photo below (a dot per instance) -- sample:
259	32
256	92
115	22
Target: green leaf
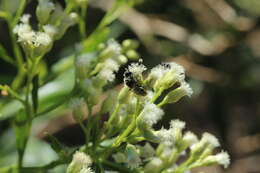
22	131
97	37
56	145
35	88
51	94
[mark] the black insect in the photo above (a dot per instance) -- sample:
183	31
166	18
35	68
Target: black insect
133	84
166	65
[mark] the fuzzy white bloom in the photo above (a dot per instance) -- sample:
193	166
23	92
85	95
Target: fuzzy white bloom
221	158
147	150
151	114
160	70
210	139
112	64
107	72
166	137
50	30
25	18
136	68
25	33
186	89
42	38
82	158
149	95
190	138
107	75
80	163
114	47
177	68
177	124
119	157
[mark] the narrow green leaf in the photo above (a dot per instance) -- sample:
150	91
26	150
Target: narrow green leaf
56	145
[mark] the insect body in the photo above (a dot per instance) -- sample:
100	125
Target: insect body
133	84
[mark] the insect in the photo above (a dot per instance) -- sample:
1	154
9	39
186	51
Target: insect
133	84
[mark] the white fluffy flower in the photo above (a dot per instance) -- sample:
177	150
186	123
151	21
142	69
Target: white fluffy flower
25	18
190	138
136	68
221	158
186	89
114	47
42	38
151	114
25	33
158	71
177	68
107	72
82	158
80	163
166	137
210	139
50	30
177	124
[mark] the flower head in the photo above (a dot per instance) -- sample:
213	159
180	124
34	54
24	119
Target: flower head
136	68
151	114
80	163
221	158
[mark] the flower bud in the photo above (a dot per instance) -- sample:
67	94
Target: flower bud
133	160
129	44
154	165
132	55
79	109
124	95
178	93
83	64
146	151
43	11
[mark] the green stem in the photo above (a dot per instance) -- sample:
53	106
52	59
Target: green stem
19	12
82	21
157	94
114	114
19	59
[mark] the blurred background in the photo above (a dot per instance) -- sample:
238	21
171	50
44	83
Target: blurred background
218	43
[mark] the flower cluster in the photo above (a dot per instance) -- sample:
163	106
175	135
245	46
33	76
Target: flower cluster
95	70
174	145
53	22
139	106
80	163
